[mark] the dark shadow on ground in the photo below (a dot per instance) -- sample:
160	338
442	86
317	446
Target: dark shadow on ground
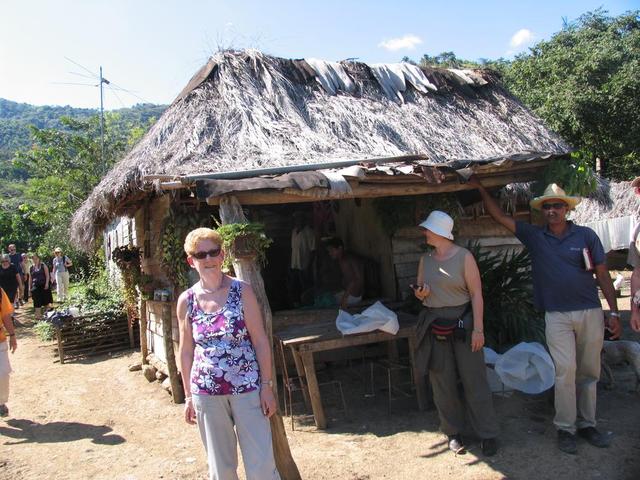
27	431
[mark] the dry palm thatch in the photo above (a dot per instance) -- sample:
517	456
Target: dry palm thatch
610	200
247	110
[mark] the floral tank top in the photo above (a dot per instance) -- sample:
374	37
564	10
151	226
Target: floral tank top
224	360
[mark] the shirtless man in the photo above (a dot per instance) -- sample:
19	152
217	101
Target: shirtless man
352	269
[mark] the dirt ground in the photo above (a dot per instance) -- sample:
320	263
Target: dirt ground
96	420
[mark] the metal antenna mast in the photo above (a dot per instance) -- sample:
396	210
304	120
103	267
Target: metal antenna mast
103	81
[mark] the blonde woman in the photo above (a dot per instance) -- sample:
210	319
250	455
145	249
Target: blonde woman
225	360
452	336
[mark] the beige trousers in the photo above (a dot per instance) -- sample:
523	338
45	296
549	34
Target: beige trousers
575	341
216	416
5	370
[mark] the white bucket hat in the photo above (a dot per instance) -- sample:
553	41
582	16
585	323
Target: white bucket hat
439	223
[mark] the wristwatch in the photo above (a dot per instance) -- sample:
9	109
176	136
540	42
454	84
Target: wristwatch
267	382
614	314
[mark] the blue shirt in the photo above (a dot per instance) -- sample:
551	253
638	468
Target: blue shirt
560	281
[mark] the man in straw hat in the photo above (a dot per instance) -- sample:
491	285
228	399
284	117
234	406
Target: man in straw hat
634	260
564	257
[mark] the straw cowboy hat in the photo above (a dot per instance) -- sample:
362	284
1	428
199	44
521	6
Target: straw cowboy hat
439	223
554	192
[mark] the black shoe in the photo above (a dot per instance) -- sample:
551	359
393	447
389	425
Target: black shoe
594	437
456	445
489	447
567	442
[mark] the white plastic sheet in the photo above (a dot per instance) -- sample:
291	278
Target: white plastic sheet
331	76
376	317
526	367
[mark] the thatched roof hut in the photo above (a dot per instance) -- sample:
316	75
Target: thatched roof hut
247	110
612	211
610	200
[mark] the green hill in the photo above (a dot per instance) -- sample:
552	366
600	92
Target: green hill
15	119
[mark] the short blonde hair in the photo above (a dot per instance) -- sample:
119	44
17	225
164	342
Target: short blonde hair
198	235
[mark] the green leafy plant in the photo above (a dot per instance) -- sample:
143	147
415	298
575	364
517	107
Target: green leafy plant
96	294
177	224
252	237
509	314
45	331
576	176
127	259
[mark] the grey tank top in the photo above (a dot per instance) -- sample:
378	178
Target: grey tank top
446	279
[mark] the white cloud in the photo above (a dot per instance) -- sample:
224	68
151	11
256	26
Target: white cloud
521	38
408	42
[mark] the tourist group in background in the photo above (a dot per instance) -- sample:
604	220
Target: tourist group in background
26	275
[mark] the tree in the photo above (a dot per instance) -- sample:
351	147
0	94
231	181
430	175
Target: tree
63	166
585	83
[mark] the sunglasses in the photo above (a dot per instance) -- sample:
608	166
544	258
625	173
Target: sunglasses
555	206
211	253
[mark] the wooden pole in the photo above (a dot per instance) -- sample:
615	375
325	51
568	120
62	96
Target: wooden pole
177	391
248	270
144	348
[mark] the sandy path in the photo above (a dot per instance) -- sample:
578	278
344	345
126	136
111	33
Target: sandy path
97	420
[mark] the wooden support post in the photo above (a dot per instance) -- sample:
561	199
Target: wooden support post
177	391
248	270
314	390
144	348
60	346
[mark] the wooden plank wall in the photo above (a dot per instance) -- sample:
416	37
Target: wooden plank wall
154	329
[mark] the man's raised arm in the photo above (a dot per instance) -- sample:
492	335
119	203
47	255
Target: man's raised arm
492	206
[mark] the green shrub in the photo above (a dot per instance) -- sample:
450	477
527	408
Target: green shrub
95	294
45	331
509	314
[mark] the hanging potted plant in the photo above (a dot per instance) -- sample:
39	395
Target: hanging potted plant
244	241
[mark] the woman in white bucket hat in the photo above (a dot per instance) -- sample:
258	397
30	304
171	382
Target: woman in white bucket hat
451	335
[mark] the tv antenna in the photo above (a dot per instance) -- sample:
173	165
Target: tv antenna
102	81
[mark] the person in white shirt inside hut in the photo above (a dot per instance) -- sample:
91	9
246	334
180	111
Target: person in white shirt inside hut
303	246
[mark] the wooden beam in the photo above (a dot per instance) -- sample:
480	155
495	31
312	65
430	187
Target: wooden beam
363	190
177	392
248	270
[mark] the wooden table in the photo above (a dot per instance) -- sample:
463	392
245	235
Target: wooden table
304	340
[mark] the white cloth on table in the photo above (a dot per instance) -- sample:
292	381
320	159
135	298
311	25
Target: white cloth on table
376	317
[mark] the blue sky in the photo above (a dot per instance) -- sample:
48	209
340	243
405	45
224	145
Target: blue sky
152	47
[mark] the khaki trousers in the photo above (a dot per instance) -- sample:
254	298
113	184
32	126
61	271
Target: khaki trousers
575	340
5	370
62	285
216	416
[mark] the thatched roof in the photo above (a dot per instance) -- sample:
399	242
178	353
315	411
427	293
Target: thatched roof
611	200
246	110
